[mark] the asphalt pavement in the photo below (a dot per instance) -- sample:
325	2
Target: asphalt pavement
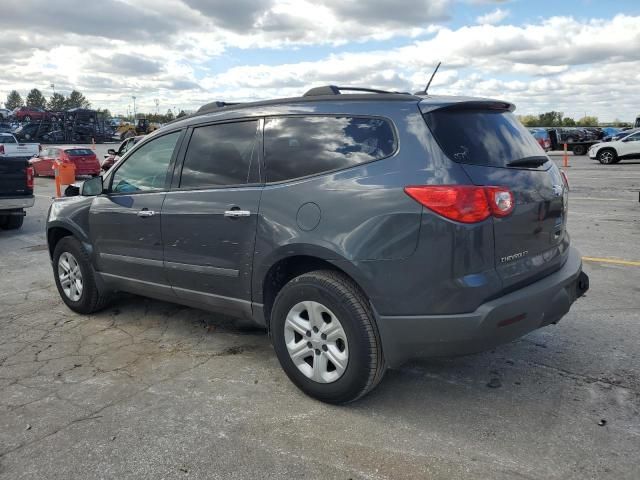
146	389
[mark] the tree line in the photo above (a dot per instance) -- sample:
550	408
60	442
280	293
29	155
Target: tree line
36	99
557	119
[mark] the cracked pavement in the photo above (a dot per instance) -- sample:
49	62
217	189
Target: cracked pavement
147	389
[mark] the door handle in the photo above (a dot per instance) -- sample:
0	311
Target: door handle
235	213
146	213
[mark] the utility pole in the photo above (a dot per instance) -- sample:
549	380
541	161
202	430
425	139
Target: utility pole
157	102
134	107
53	87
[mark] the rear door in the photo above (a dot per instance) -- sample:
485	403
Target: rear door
493	148
209	218
125	221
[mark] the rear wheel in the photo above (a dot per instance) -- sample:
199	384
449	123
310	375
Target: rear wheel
607	156
27	118
325	337
579	150
75	277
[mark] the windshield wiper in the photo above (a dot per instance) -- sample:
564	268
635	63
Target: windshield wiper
528	162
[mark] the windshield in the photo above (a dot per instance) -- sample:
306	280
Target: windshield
7	139
482	137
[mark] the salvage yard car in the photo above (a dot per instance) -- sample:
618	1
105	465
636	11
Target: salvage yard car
114	155
360	229
84	160
625	148
10	147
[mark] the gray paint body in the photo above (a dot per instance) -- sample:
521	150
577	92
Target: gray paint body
411	263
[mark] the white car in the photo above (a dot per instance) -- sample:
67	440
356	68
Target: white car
10	147
612	152
4	113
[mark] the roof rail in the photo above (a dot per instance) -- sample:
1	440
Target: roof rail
334	90
213	106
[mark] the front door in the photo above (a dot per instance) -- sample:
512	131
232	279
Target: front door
209	218
125	221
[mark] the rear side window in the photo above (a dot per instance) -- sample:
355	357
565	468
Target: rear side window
79	152
222	155
482	137
299	146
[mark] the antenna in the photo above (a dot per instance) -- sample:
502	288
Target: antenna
426	89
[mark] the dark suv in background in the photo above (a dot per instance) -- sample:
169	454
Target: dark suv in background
360	229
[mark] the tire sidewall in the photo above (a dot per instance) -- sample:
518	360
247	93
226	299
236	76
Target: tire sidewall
355	376
73	246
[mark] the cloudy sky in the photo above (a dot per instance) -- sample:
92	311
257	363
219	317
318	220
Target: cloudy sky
575	56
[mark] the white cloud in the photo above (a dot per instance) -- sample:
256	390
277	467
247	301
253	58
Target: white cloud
557	63
491	18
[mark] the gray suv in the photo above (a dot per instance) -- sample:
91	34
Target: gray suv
361	229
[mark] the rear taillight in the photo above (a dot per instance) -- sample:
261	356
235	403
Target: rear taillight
464	203
30	173
565	178
1	149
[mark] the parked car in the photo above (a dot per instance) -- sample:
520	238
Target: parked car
114	155
10	147
83	158
361	229
28	114
33	131
542	137
621	134
5	127
571	135
16	182
626	148
4	113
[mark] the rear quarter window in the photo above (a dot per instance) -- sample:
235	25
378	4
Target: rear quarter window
297	147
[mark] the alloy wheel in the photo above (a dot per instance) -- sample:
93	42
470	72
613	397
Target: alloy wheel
70	276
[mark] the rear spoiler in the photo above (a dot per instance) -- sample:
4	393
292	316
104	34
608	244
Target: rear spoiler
431	104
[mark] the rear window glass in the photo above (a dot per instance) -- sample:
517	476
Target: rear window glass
481	137
300	146
78	152
7	139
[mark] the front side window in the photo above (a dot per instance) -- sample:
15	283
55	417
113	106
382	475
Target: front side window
145	170
296	147
222	155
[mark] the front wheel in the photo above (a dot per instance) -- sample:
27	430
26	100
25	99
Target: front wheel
607	156
325	337
75	278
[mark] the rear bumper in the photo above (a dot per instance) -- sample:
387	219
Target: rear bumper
497	321
13	203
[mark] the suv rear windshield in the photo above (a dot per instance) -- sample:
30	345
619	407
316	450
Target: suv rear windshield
482	137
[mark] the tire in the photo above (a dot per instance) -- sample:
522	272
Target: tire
579	150
11	222
353	340
90	299
27	118
607	156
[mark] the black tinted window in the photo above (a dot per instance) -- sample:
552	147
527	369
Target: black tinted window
223	154
482	137
299	146
78	152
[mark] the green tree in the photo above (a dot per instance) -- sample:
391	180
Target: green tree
57	102
36	99
529	120
550	119
587	122
568	122
14	100
169	116
77	100
181	114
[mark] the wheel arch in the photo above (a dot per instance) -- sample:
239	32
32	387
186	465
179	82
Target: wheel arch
56	231
292	261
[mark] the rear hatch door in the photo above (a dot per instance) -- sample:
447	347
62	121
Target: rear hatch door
13	177
493	148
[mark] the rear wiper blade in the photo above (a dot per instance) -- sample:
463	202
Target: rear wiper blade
528	162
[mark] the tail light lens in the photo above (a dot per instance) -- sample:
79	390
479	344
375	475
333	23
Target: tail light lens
464	203
1	149
30	174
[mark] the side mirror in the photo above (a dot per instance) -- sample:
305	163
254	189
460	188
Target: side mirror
111	151
92	187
